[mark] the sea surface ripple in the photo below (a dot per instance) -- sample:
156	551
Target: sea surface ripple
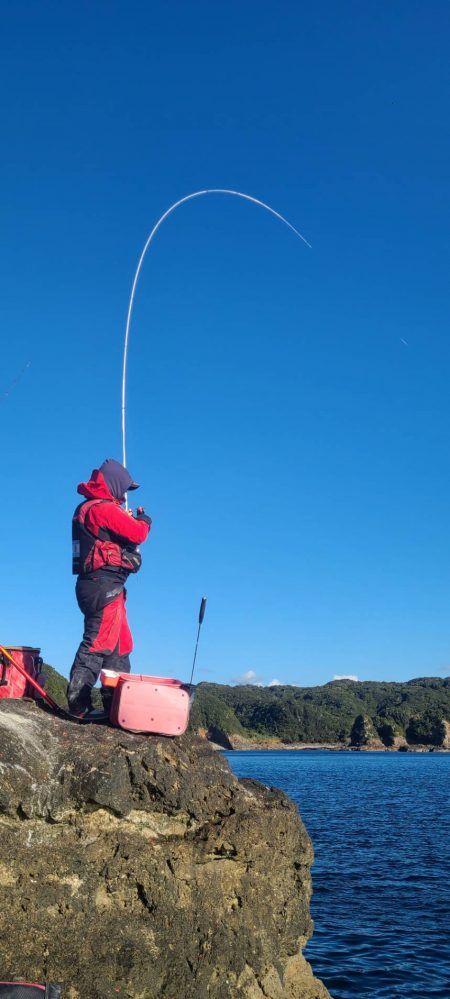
380	825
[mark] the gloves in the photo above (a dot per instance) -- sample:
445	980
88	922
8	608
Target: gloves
141	515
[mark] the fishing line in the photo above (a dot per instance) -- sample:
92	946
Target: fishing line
188	197
16	380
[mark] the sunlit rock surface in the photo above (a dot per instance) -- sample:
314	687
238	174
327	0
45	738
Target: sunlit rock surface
140	867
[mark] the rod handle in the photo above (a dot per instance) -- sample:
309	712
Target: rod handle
202	610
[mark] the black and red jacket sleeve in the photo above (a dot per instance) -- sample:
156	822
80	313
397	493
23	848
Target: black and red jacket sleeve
115	519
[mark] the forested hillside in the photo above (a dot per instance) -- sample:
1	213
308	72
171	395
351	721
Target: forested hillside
415	709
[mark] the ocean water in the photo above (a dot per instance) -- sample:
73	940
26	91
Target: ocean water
380	825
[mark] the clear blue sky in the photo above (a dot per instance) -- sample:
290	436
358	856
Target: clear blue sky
289	409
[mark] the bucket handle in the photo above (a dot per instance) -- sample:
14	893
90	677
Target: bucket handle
4	666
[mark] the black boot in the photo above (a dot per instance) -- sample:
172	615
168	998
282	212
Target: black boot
107	694
79	696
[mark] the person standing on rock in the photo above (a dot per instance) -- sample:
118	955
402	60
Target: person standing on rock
104	553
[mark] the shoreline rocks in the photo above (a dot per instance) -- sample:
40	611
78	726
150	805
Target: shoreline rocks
370	743
140	867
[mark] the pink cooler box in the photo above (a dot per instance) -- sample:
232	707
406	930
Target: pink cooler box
152	704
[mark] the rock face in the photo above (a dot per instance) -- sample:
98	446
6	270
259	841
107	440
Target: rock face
137	866
363	734
445	743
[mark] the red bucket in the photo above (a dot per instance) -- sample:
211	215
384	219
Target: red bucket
12	683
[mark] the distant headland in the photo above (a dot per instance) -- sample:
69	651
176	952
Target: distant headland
342	714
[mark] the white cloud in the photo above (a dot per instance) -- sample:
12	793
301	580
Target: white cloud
248	677
275	683
351	676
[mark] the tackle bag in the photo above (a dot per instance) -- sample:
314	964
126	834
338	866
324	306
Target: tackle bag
23	990
151	704
12	683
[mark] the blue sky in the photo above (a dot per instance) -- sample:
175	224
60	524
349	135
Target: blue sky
289	409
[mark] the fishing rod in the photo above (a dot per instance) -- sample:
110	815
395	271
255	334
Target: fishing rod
181	201
200	621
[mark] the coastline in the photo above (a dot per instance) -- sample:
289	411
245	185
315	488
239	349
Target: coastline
241	744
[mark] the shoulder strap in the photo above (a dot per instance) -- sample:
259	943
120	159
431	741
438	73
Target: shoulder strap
83	509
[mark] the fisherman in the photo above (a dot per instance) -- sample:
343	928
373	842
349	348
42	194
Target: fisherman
104	545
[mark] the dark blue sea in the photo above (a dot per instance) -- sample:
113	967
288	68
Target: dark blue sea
380	825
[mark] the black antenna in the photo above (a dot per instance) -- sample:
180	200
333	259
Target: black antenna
201	615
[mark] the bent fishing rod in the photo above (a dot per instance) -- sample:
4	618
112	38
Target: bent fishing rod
165	215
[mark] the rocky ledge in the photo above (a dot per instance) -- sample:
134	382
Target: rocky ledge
137	866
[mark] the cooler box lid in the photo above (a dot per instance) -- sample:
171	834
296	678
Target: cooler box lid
108	678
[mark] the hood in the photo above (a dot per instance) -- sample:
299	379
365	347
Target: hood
111	481
117	478
96	488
